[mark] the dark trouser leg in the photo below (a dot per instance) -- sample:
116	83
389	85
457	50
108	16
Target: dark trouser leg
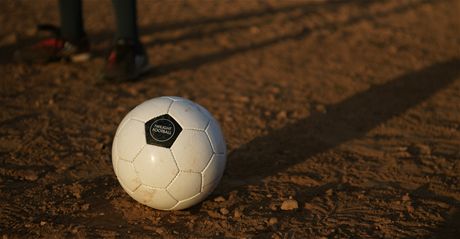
126	19
71	19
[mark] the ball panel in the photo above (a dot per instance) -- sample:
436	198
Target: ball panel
205	192
185	185
131	140
151	109
154	197
155	166
192	150
216	137
190	202
187	114
214	169
127	175
204	111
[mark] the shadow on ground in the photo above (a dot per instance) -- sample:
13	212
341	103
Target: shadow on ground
347	120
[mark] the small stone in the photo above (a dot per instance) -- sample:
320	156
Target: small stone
85	207
281	115
30	175
392	49
405	197
242	99
289	204
272	221
42	223
308	206
419	149
254	30
410	209
321	108
31	31
219	199
224	211
260	227
214	214
237	213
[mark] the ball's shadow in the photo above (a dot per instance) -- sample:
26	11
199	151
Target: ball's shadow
352	118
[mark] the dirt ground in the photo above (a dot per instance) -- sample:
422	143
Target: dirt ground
342	120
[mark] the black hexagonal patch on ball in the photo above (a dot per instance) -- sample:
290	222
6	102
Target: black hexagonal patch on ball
162	131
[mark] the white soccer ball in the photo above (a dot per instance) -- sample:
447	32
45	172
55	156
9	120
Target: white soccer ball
169	153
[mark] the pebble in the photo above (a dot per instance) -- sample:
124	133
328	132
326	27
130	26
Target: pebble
272	221
224	211
31	31
85	207
321	108
281	115
237	213
42	223
308	206
410	209
419	149
219	199
30	175
289	204
405	197
254	30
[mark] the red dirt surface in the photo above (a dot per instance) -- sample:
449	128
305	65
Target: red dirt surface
342	120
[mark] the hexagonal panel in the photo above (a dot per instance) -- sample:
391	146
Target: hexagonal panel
130	140
192	150
151	109
156	198
187	114
205	192
155	166
216	137
127	175
185	185
215	169
162	131
190	201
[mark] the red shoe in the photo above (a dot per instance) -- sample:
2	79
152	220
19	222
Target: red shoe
127	61
54	49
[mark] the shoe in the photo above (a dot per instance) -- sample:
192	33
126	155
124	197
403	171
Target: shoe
54	49
127	61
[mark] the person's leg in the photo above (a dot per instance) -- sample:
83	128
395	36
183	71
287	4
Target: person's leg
71	19
71	44
128	59
126	19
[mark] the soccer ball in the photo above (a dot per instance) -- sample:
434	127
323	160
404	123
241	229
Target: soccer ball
169	153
